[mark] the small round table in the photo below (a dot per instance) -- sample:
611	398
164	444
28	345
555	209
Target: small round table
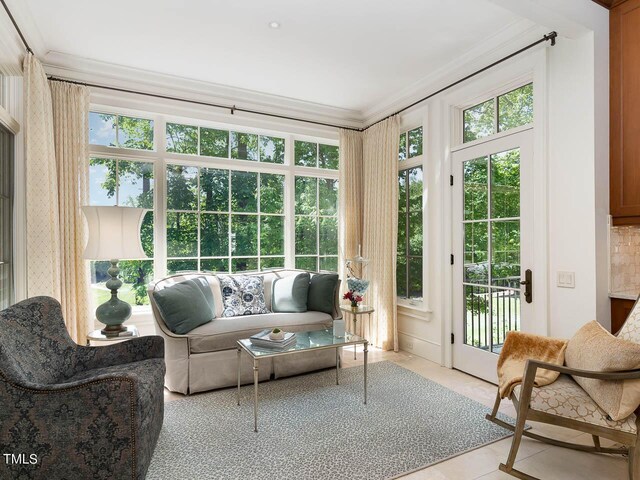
97	335
361	310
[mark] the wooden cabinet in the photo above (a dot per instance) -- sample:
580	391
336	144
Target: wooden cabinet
625	113
619	312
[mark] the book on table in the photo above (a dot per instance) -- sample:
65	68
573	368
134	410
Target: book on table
263	340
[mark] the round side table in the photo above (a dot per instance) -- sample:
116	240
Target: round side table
361	310
98	337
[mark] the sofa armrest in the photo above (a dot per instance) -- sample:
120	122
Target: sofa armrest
129	351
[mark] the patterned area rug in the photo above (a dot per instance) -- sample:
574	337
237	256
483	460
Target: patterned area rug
311	428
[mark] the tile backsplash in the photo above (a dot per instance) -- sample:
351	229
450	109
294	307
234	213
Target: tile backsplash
625	259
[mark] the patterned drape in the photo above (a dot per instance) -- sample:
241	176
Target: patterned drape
56	152
43	241
369	215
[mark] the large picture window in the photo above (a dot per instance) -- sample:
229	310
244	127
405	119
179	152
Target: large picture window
124	183
222	201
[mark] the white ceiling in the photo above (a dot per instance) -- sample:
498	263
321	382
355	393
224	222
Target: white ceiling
344	53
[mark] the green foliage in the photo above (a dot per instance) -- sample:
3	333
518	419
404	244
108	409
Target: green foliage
328	196
415	142
182	138
214	190
306	235
214	143
182	187
307	263
271	193
479	121
244	191
329	157
515	108
271	149
272	235
402	148
410	233
305	154
135	133
244	146
306	195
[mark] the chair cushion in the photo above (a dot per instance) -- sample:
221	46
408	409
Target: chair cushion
322	292
289	294
242	295
185	306
594	348
630	331
565	398
225	331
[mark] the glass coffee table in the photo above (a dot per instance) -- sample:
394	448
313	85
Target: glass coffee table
306	341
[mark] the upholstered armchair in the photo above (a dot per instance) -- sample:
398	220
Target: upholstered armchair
565	403
71	411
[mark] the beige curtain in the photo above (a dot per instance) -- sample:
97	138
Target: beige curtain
369	216
71	137
350	207
56	153
43	247
380	227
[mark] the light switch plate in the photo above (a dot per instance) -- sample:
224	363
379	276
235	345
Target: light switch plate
567	279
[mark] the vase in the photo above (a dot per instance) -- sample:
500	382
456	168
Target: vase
354	308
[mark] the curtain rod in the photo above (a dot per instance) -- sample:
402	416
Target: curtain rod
232	108
15	25
548	37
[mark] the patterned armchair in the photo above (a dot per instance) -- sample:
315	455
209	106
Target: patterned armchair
70	411
566	404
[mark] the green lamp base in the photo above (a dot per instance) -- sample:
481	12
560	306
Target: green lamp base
114	312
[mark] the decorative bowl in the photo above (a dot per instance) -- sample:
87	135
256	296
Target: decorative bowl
276	336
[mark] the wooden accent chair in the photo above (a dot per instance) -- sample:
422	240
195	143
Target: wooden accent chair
564	403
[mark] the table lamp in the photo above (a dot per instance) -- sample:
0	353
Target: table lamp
114	234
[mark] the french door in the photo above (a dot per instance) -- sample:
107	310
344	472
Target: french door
492	240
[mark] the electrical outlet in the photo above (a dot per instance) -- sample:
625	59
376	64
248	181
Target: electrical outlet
409	344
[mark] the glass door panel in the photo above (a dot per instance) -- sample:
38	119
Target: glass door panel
491	269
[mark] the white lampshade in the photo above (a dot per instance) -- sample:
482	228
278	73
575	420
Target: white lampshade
114	233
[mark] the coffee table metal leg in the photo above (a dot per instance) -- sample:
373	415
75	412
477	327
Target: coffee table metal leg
255	395
239	352
366	351
337	366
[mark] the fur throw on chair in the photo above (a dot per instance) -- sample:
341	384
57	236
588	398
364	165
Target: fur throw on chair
517	349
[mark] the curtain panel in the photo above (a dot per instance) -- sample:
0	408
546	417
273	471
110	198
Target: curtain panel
71	139
369	216
56	153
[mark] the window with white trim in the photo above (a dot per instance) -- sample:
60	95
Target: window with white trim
225	202
409	265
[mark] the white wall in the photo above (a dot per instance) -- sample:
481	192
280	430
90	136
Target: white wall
578	186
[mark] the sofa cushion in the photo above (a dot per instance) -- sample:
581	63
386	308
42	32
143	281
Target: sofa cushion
225	331
289	294
322	292
594	348
184	306
242	295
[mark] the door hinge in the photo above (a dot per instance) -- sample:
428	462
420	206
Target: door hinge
451	180
452	259
452	338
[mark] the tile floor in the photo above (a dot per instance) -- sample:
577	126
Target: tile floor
541	460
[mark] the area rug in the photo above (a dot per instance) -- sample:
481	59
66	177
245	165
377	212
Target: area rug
311	428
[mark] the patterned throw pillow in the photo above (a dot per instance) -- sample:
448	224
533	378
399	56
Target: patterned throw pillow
242	295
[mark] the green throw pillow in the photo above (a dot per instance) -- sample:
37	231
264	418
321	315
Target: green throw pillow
289	294
204	286
184	306
322	292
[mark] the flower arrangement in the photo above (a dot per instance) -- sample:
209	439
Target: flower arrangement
353	297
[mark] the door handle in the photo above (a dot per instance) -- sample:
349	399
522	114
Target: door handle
528	286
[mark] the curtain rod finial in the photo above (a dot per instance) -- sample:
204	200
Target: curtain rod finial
551	36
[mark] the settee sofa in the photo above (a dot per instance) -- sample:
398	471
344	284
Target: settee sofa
206	357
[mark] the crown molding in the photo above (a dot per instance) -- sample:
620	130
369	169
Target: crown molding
503	42
70	67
